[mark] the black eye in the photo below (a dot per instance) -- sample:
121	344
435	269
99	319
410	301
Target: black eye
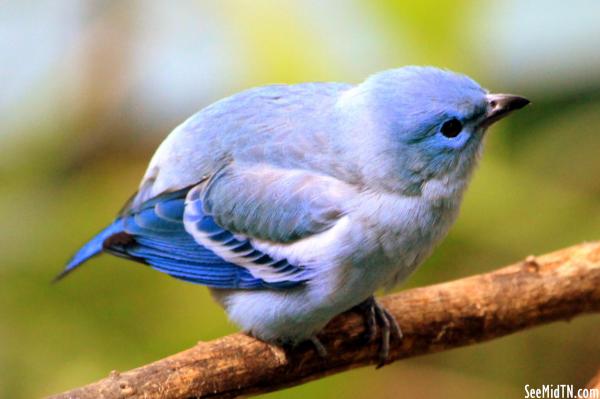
451	128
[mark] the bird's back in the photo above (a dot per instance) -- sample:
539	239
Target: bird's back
288	126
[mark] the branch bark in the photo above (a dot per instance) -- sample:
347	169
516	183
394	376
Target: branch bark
594	382
538	290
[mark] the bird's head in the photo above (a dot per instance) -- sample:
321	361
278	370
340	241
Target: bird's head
433	121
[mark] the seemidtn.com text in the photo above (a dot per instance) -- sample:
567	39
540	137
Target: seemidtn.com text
560	391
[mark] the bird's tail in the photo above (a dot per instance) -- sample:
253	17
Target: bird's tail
91	248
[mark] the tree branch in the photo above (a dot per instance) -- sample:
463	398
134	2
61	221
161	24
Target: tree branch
594	382
557	286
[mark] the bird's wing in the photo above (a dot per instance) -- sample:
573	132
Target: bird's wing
258	217
270	203
232	231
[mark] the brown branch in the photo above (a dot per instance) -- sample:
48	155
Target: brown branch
594	382
557	286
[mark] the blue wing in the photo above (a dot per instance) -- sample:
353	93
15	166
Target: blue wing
154	234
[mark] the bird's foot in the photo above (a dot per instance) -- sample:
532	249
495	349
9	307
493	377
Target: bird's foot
313	340
377	317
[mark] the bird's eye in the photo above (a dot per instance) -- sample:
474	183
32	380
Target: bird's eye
451	128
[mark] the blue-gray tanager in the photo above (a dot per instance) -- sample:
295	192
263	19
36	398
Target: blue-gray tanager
294	203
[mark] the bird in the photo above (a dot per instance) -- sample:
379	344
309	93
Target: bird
295	203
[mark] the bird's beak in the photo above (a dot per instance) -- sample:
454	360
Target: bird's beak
500	105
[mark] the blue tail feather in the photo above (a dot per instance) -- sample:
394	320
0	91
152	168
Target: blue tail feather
91	248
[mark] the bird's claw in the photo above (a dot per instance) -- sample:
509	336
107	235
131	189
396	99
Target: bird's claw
319	347
377	317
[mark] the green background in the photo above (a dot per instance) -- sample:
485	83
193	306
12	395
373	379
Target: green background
91	88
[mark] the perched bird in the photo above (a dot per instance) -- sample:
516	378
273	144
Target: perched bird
294	203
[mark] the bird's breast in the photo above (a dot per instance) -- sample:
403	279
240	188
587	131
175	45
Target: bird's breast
404	229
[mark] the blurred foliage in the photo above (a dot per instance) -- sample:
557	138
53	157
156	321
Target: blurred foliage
78	142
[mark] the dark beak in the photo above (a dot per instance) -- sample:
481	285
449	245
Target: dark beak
500	105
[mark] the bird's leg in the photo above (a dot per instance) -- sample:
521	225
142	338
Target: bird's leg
377	317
